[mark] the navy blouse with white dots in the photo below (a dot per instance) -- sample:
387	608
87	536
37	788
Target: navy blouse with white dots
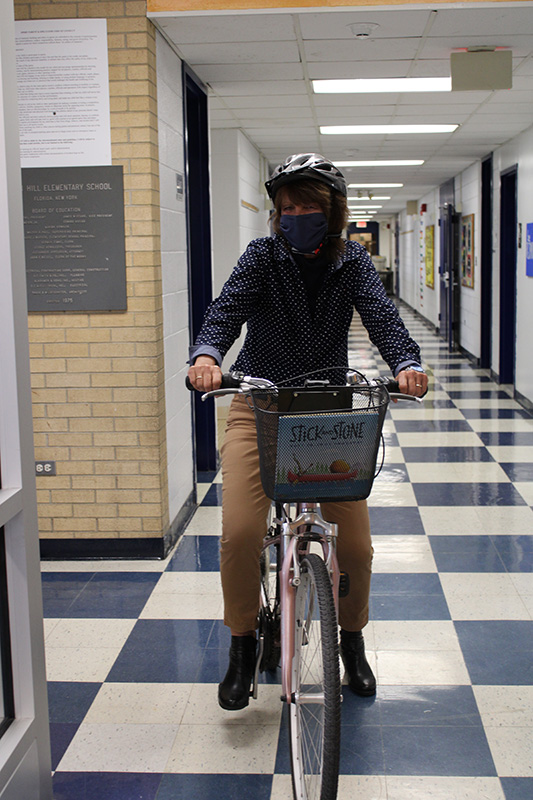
284	339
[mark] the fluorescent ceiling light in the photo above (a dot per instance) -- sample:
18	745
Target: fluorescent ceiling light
397	163
356	208
353	130
366	85
375	197
374	185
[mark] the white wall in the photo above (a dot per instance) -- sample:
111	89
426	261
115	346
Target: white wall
428	297
407	266
413	288
174	277
386	240
468	201
238	171
519	151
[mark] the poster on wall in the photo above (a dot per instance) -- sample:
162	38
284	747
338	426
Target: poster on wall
63	92
74	239
430	256
529	249
467	251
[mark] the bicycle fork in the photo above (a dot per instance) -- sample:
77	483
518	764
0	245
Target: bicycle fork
297	537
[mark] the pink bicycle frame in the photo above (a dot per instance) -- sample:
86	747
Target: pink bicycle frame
308	516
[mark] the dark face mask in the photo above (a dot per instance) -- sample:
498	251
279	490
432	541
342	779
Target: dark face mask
304	232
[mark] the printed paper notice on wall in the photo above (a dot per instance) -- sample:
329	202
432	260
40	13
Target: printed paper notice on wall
529	249
63	92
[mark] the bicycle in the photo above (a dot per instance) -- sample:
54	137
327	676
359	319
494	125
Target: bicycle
300	587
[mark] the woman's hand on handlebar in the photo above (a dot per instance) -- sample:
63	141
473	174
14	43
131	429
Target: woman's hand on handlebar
412	382
205	374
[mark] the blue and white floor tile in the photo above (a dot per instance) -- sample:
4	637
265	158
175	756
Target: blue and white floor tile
135	649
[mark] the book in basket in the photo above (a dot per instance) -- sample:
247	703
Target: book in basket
326	456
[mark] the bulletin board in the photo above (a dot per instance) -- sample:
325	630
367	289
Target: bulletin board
430	256
467	251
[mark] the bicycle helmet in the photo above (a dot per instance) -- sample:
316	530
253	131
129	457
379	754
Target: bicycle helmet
311	166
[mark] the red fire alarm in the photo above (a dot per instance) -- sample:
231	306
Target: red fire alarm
423	208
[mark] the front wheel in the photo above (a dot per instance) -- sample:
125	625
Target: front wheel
315	708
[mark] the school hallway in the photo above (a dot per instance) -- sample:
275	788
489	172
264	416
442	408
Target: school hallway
135	649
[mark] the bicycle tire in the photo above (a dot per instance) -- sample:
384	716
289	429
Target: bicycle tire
314	728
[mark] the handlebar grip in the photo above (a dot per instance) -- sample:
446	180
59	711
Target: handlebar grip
230	380
390	384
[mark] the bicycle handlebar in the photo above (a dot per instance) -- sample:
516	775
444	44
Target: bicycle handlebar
230	380
238	383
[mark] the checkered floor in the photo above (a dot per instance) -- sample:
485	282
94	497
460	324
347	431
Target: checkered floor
135	649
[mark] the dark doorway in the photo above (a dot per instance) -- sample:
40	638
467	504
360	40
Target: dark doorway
397	259
486	264
449	266
367	236
508	219
199	247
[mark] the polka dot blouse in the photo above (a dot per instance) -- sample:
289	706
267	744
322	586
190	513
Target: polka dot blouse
266	291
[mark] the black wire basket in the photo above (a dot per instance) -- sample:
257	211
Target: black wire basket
319	444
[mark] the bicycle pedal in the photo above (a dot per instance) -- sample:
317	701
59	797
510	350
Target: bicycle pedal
344	584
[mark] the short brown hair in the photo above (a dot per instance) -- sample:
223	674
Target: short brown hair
332	203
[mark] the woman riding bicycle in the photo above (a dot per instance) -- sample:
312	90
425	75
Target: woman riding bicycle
297	292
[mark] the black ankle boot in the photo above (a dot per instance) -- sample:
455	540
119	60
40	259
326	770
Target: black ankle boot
234	691
361	678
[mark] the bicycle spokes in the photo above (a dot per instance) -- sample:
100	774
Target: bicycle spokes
314	710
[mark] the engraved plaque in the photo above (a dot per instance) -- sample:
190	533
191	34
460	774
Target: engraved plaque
74	238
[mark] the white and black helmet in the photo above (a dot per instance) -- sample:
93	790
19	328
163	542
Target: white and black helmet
302	166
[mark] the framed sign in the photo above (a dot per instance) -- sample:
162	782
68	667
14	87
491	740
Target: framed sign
430	256
467	251
74	238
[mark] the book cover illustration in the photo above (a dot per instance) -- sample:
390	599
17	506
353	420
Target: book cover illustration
330	456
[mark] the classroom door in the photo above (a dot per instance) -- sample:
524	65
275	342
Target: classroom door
199	248
508	251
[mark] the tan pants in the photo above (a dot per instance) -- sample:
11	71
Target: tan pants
244	513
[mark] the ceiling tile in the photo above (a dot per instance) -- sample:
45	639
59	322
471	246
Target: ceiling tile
258	82
244	53
481	22
392	24
441	47
335	70
262	101
235	28
258	88
351	51
230	73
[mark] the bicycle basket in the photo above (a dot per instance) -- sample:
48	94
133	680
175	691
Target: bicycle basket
324	454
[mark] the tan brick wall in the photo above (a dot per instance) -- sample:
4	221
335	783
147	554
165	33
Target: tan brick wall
98	379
